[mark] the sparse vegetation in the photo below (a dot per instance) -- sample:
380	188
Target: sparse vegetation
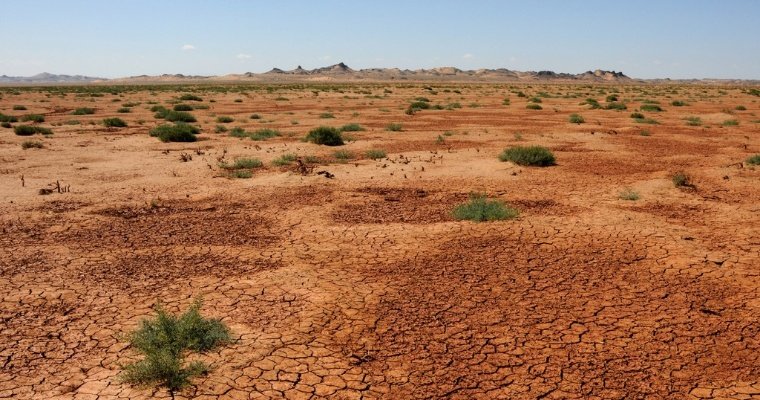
343	155
224	119
190	97
528	156
393	127
83	111
680	180
534	106
37	118
19	108
182	107
616	106
175	133
576	119
124	110
375	154
629	194
754	160
730	122
678	103
650	107
693	121
29	130
325	135
351	128
164	343
255	116
31	144
114	122
479	209
326	115
284	159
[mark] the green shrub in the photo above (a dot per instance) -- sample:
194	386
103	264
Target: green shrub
325	135
678	103
182	107
124	110
177	116
394	127
693	121
326	115
479	208
650	107
611	98
680	179
224	119
8	118
284	159
175	133
576	119
754	160
33	118
6	124
255	116
114	123
240	174
343	155
83	111
528	155
351	128
637	115
165	341
628	194
593	103
263	134
190	97
29	130
375	154
740	108
220	129
616	106
31	144
19	108
730	122
534	106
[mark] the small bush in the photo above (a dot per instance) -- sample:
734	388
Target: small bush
637	115
394	127
33	118
479	208
83	111
284	159
576	119
6	124
124	110
616	106
693	121
19	108
220	129
528	155
678	103
224	119
255	116
629	194
114	123
740	108
263	134
680	179
650	107
754	160
175	133
164	342
326	115
241	174
351	128
29	130
375	154
31	144
190	97
325	135
7	118
179	116
650	121
593	103
343	155
730	122
534	106
183	107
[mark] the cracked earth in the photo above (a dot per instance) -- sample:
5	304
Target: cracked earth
363	286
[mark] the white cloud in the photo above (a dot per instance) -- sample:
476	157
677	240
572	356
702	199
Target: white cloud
468	55
243	56
188	47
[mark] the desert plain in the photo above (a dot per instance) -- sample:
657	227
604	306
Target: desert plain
348	277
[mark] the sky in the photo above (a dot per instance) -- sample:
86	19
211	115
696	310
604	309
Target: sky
644	38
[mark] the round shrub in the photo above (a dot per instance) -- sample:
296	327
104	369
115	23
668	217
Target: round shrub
325	135
479	209
114	123
528	155
175	133
183	107
29	130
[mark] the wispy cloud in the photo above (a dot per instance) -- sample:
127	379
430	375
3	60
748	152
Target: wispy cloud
467	56
188	47
243	56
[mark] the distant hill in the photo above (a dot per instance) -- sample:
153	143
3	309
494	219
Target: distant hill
48	78
343	73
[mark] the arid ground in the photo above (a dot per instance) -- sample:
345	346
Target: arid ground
363	285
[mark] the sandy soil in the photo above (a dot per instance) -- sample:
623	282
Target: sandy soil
363	286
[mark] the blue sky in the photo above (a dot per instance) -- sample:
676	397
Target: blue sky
644	39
